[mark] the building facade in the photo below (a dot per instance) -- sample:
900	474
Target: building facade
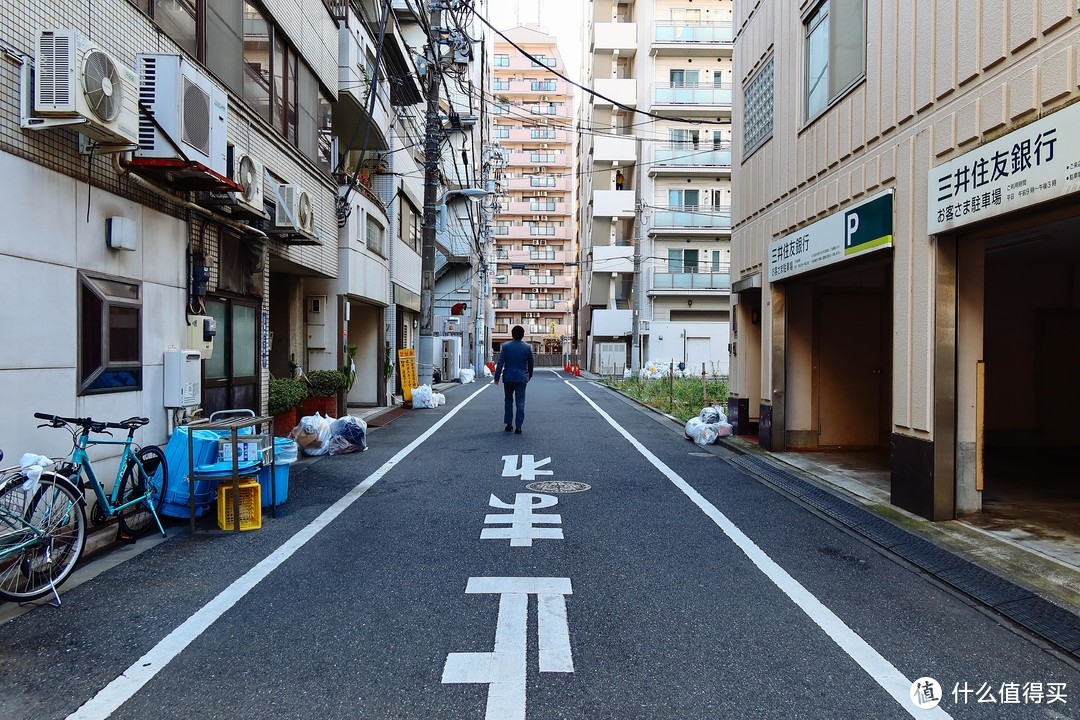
904	279
533	282
656	185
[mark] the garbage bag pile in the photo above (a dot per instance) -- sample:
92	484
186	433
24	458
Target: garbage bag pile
421	397
708	426
659	370
318	435
467	375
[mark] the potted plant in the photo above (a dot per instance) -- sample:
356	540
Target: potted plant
323	389
284	397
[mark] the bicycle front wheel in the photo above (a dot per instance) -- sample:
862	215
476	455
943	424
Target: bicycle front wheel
56	514
146	477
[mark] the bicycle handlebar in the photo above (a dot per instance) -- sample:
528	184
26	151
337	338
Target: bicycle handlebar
89	424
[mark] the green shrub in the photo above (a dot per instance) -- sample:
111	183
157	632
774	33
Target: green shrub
326	383
683	398
285	393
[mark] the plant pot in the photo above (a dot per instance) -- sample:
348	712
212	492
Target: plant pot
284	422
325	406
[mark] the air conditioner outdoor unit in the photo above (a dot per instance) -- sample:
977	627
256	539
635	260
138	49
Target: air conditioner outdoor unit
294	211
543	242
191	109
246	171
536	242
78	81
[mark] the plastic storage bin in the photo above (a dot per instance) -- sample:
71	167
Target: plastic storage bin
285	455
250	509
177	495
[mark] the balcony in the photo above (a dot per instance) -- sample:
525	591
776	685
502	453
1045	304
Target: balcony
538	183
691	159
621	90
693	39
683	281
609	37
363	259
613	259
523	232
545	158
693	98
535	87
613	203
614	148
533	254
612	323
548	135
691	219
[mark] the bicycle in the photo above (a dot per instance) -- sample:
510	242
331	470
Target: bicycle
141	478
42	532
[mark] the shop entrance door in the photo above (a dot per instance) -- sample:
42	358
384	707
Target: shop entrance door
231	376
850	369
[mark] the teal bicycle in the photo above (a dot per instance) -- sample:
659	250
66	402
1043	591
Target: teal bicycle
141	478
42	531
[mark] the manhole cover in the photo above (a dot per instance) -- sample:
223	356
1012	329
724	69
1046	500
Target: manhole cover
558	486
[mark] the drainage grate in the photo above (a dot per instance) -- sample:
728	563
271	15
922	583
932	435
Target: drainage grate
1053	623
927	555
983	585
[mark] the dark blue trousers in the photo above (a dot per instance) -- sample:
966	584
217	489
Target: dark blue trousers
514	392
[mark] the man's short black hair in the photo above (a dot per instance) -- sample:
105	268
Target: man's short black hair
517	332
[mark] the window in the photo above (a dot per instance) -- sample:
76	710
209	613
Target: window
835	51
718	140
683	137
717	78
376	236
677	198
683	78
758	109
502	132
502	60
686	16
682	261
411	225
501	108
542	61
500	85
110	335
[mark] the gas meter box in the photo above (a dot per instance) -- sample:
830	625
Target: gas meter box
201	330
183	378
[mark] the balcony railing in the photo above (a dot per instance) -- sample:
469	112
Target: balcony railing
693	32
541	254
693	216
691	155
542	206
533	230
692	281
541	279
541	304
500	304
692	94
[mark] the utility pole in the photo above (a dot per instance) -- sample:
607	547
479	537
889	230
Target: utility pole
635	290
432	145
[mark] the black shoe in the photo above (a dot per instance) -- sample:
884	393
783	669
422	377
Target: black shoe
508	428
518	431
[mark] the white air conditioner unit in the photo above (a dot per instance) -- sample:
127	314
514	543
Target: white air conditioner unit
247	172
543	242
76	80
543	146
543	193
294	210
536	242
191	109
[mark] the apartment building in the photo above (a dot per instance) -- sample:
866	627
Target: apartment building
902	246
656	179
263	207
533	284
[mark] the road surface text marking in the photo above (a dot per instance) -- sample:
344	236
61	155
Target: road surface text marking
881	670
527	469
116	693
522	521
503	670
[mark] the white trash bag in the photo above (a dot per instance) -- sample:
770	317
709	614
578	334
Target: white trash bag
707	436
487	371
712	414
438	399
693	428
313	434
421	397
466	375
725	428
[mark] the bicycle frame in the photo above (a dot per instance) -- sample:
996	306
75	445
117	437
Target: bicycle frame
83	464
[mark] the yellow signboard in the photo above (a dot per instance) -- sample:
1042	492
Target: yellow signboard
407	372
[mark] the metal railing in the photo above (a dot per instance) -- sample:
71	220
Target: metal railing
693	32
691	155
692	281
692	94
693	216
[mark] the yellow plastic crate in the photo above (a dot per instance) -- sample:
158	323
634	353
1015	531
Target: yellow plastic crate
250	505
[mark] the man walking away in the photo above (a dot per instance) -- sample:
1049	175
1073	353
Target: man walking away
515	367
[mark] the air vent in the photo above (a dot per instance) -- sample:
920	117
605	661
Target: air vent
104	90
53	84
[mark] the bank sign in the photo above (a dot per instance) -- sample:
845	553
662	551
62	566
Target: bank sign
1036	163
855	231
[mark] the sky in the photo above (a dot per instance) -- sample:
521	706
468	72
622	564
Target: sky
561	18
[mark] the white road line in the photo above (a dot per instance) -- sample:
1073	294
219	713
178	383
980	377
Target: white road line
881	670
120	690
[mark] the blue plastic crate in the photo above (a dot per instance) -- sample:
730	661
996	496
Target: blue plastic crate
177	494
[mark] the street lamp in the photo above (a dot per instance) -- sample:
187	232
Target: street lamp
427	289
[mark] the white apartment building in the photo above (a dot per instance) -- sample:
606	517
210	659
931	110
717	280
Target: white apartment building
659	181
903	244
533	284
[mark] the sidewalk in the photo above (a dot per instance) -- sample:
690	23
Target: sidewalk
1033	589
